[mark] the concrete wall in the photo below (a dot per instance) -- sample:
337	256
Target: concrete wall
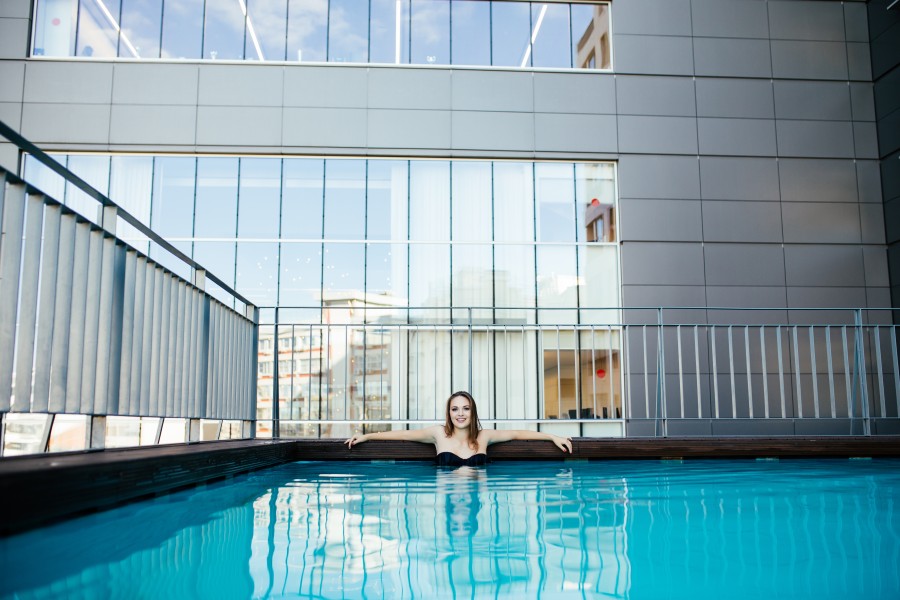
745	132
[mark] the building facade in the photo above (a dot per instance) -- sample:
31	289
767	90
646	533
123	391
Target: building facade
429	195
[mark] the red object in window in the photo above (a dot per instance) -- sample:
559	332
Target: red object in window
55	21
601	373
595	202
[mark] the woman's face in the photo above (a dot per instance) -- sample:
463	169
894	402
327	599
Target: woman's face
460	412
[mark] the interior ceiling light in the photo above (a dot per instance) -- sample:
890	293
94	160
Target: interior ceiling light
534	34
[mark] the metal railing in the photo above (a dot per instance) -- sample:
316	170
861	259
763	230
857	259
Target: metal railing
707	373
91	326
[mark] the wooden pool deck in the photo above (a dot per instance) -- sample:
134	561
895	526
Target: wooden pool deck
41	489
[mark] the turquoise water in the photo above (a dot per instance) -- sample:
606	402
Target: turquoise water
605	529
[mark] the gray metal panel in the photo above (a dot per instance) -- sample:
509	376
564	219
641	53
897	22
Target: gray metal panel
660	220
732	221
575	93
876	267
151	124
817	180
859	61
16	9
28	303
662	96
13	38
327	127
883	57
653	55
78	316
747	296
401	88
560	132
409	129
744	264
806	21
714	18
12	220
49	274
93	298
729	178
821	222
665	295
887	92
155	84
809	60
333	87
239	125
659	177
12	74
856	24
250	85
822	265
732	57
506	91
492	131
662	263
68	82
103	399
823	100
660	17
865	136
658	135
77	124
871	217
825	139
749	98
742	137
826	297
62	313
862	101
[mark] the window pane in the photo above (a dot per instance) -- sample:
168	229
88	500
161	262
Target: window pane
131	187
218	259
345	199
97	34
223	35
389	32
257	272
343	271
386	266
301	201
307	28
557	283
95	171
511	34
599	282
259	198
46	180
595	191
471	33
514	281
429	280
216	212
473	280
513	202
54	28
430	32
182	29
141	22
388	196
555	198
551	35
471	201
590	36
266	30
172	210
429	200
348	31
301	274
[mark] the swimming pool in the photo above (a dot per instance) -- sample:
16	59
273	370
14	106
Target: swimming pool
618	529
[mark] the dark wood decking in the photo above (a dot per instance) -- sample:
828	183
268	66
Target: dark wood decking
44	488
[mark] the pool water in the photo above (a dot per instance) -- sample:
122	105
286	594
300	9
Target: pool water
610	529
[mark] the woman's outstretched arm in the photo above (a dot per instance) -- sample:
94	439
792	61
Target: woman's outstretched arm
495	436
426	436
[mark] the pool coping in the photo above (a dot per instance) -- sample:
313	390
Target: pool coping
42	489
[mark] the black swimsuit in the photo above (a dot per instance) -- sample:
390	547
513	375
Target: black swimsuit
448	459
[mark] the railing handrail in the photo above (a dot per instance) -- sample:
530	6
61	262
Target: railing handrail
28	147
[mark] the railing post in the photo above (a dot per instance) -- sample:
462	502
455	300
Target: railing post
471	358
98	432
661	424
276	409
248	427
109	215
860	373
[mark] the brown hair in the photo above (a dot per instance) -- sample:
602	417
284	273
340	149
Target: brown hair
474	428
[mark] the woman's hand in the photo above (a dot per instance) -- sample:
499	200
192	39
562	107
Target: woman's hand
356	439
564	444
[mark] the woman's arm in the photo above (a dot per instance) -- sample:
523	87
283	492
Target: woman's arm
495	436
426	436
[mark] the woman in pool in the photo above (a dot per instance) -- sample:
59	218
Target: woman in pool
461	441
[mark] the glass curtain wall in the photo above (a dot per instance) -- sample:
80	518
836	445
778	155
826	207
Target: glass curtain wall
504	33
394	282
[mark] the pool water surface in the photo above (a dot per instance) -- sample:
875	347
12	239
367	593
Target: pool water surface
599	529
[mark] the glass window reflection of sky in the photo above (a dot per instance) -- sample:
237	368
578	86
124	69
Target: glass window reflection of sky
182	29
141	25
471	32
348	31
430	31
307	30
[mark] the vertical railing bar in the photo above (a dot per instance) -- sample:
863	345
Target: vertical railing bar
796	352
62	307
156	331
610	371
829	356
680	372
765	369
848	389
697	367
878	363
126	328
715	369
139	359
28	303
310	371
46	309
102	395
626	369
559	412
91	323
646	374
347	357
188	352
894	365
593	373
165	347
435	393
78	314
749	372
780	344
12	223
814	369
731	371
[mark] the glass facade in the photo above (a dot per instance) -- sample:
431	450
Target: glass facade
503	33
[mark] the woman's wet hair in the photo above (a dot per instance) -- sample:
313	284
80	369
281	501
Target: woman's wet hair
474	428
